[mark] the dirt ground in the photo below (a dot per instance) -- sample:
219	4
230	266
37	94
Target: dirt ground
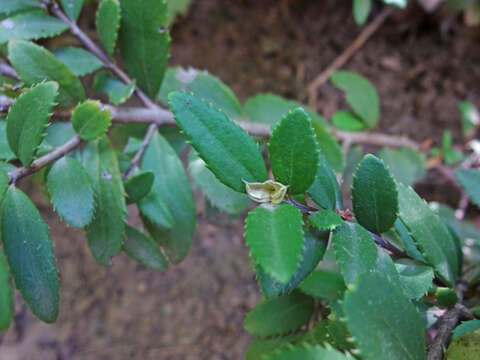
421	65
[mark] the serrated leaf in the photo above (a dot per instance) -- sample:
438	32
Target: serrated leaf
323	285
325	219
144	42
138	186
106	231
90	121
407	241
5	151
28	248
35	64
229	152
108	23
345	120
361	10
171	186
361	95
72	8
275	237
220	195
9	6
71	191
143	249
308	352
27	119
384	323
355	251
117	91
465	327
328	146
374	195
260	347
325	191
280	315
6	294
416	278
429	233
406	165
470	181
79	61
293	152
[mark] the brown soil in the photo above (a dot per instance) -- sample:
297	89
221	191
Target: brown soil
422	66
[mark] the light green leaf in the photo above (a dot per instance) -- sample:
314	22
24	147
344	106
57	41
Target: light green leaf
467	347
325	219
275	237
470	181
361	10
176	8
219	195
5	151
31	25
308	352
323	284
470	118
27	119
325	191
9	6
145	41
171	186
72	8
117	91
398	3
345	120
90	121
429	233
416	278
280	315
293	152
6	294
465	327
384	323
406	165
260	347
106	231
71	191
361	95
59	133
108	24
143	249
138	186
328	146
35	64
352	159
79	61
374	195
29	251
229	152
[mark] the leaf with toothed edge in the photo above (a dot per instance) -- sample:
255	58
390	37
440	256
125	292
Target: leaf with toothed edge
325	219
72	8
90	121
79	61
9	6
325	191
28	118
107	22
117	91
323	284
143	249
308	352
138	186
416	278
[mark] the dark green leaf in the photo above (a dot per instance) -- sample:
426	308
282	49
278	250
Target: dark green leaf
9	6
260	347
308	352
5	151
117	91
328	146
79	61
345	120
29	251
325	219
90	121
324	190
406	165
361	10
416	278
4	179
72	8
470	181
143	249
407	241
446	297
138	186
108	24
6	294
323	285
465	327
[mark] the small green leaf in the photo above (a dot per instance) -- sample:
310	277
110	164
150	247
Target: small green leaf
143	249
260	347
108	24
416	278
229	152
345	120
59	133
361	95
465	327
406	165
71	191
6	294
35	64
323	285
328	146
79	61
293	152
144	42
308	352
361	10
31	25
138	186
280	315
470	181
29	251
5	151
72	8
9	6
374	195
325	219
90	121
470	118
117	91
384	323
325	191
446	297
27	119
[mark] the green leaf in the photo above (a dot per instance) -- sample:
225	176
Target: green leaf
59	133
308	352
429	233
79	61
177	7
143	249
108	24
384	323
293	152
71	191
280	315
328	146
29	251
72	8
145	41
27	119
31	25
416	278
106	231
229	152
260	347
465	327
90	121
117	91
470	181
4	179
361	10
470	118
407	241
275	237
5	151
446	297
138	186
406	165
323	285
171	186
467	347
325	191
9	6
361	95
221	196
374	195
205	86
35	64
355	251
325	219
345	120
6	294
352	159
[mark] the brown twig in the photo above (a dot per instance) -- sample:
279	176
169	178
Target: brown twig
342	59
374	139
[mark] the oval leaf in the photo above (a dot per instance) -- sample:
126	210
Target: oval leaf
361	10
90	121
416	278
323	284
325	219
108	23
470	181
143	249
79	61
138	186
406	165
117	91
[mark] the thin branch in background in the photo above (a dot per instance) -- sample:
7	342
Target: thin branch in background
152	129
462	207
7	70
